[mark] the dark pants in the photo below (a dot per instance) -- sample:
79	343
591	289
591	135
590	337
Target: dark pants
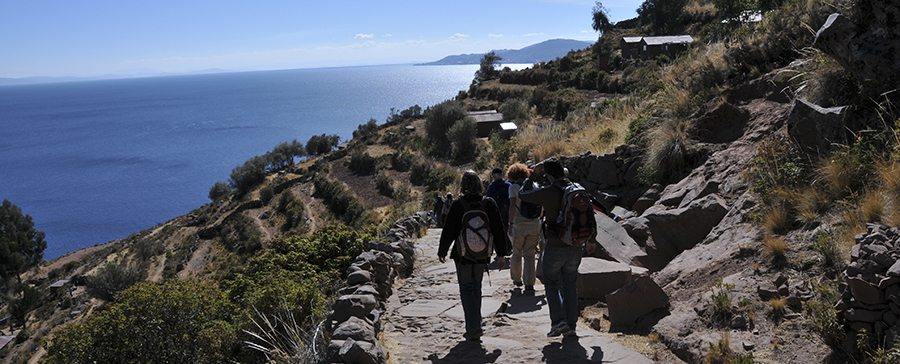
469	276
560	265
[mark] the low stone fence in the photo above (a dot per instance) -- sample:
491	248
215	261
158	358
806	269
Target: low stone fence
870	286
356	315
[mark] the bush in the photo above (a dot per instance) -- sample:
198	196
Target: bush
178	321
384	184
503	148
340	200
266	194
429	175
144	249
515	109
439	120
363	163
294	216
321	144
285	198
20	306
112	279
246	176
402	161
219	189
462	140
366	132
668	150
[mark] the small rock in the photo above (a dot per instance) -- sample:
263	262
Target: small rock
748	345
780	279
738	322
783	291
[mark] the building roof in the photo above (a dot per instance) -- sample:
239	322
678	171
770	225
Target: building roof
632	39
59	283
508	126
668	39
486	116
5	340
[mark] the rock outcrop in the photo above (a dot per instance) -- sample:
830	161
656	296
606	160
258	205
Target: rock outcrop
870	286
816	128
868	45
356	315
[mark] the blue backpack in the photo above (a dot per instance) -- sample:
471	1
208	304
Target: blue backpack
527	209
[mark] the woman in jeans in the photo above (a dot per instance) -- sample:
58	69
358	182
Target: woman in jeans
470	272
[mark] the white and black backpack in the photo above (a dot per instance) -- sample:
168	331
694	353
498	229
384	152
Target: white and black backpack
576	224
475	241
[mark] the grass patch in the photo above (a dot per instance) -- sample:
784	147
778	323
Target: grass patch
775	245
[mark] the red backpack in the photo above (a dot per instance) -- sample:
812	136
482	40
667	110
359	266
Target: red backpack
475	241
576	224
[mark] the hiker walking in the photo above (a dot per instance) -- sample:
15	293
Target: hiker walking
436	211
565	240
474	229
446	208
499	191
524	227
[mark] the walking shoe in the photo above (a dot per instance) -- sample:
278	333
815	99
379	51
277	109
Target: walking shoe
558	330
570	333
518	284
529	289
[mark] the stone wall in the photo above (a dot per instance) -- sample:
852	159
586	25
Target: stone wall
870	286
355	320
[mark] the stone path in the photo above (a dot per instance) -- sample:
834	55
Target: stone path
424	323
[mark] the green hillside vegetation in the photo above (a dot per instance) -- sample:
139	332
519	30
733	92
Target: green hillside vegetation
274	242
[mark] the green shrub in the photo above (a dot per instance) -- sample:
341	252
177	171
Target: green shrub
294	217
429	175
826	323
462	140
284	199
439	119
384	184
363	163
321	144
340	200
402	161
367	132
266	194
219	189
402	193
503	148
515	109
178	321
720	302
144	249
111	279
27	300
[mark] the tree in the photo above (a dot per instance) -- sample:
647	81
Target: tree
111	279
732	9
218	189
601	18
440	118
321	144
462	139
21	245
178	321
662	16
487	71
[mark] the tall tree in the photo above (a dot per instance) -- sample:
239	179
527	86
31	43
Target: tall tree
488	69
662	16
601	18
21	245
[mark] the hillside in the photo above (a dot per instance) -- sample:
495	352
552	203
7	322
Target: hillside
755	178
541	52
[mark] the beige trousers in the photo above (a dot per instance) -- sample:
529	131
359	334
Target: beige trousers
523	251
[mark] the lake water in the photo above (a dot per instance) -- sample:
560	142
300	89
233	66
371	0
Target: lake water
96	161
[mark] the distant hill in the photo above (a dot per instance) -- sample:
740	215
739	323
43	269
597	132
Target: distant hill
535	53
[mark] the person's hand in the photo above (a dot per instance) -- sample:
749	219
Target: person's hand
501	262
443	259
590	247
509	231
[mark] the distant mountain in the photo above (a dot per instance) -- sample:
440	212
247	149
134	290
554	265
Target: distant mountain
123	74
535	53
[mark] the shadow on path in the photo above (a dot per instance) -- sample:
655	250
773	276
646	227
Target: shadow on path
467	352
523	303
571	351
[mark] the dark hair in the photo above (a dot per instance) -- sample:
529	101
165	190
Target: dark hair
470	184
497	170
554	167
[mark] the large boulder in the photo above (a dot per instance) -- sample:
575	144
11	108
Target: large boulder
354	328
815	128
616	241
361	352
598	277
867	47
676	230
636	299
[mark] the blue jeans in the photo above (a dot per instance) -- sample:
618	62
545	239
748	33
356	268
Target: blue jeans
560	267
469	276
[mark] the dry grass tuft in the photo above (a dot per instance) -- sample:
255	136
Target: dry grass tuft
777	306
872	207
776	219
809	202
668	149
775	245
838	176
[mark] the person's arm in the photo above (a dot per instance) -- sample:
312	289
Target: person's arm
513	205
451	229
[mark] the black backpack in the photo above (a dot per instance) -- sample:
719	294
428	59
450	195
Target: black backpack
475	241
527	209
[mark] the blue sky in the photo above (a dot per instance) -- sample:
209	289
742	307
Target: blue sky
90	38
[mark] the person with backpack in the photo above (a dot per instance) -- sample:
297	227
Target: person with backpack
446	208
569	228
524	227
475	230
436	211
499	191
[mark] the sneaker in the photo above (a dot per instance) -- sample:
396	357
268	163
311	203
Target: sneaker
570	333
529	289
558	330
